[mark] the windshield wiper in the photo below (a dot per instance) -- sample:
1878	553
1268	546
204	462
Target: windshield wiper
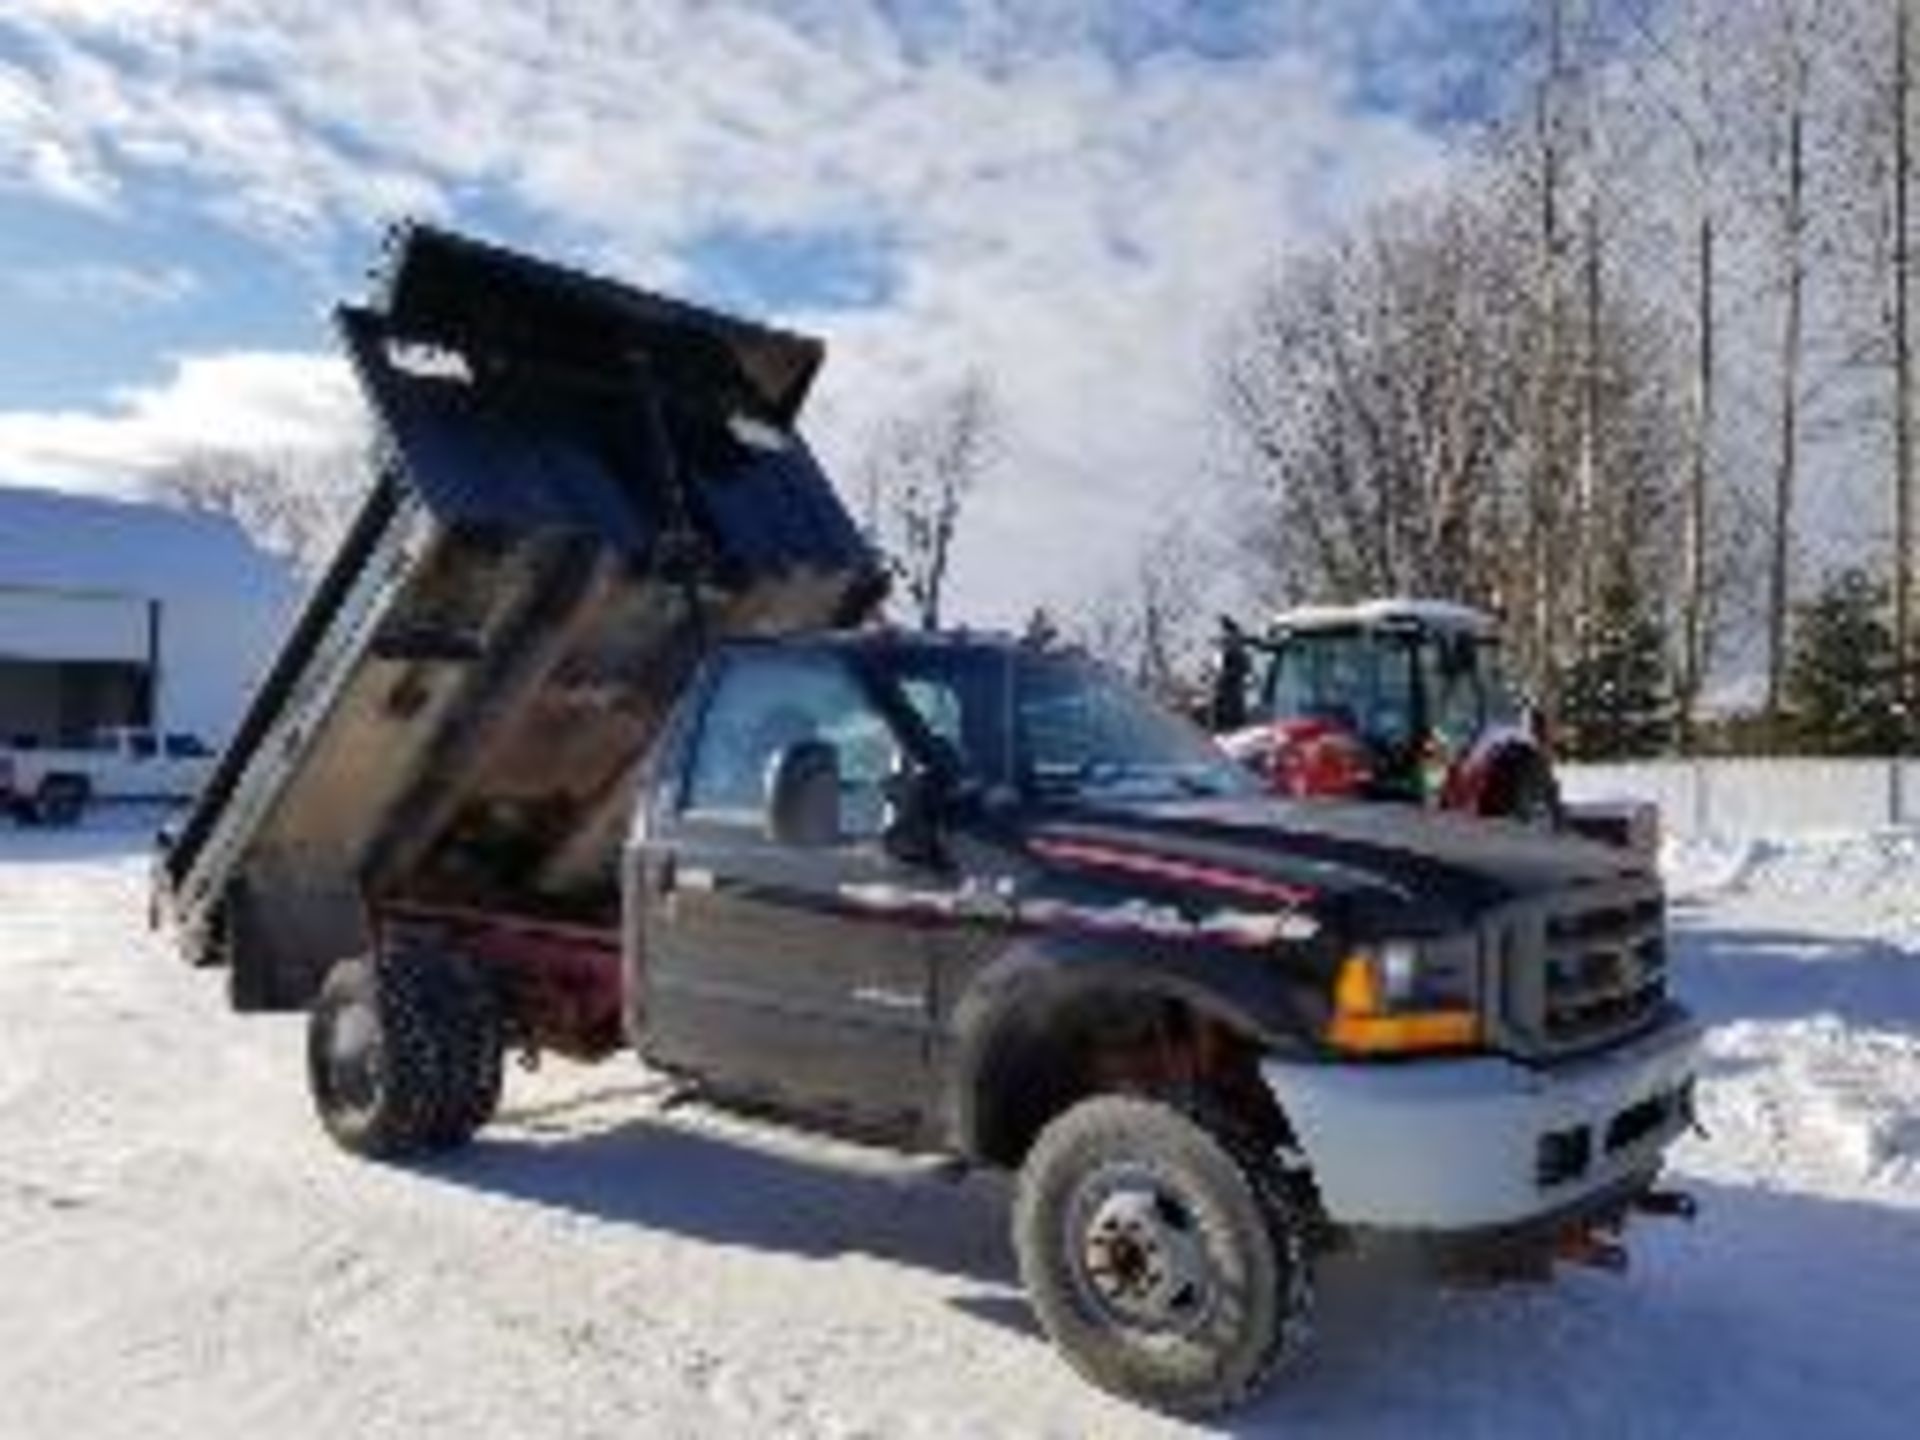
1101	773
1198	782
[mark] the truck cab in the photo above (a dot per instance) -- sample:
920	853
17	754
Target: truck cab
838	845
858	856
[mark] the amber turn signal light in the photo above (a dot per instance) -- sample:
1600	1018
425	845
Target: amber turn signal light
1363	1025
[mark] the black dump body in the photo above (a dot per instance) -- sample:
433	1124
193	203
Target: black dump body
580	485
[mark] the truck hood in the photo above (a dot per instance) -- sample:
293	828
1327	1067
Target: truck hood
1387	867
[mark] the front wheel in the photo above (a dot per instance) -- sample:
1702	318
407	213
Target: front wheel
1524	791
1162	1253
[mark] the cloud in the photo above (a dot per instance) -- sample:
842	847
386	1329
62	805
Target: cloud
102	286
249	400
1070	197
42	153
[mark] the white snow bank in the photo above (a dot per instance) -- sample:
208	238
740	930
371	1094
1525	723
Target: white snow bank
1831	1106
1707	865
1804	953
1829	863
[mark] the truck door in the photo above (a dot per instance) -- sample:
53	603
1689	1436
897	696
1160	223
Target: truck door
769	968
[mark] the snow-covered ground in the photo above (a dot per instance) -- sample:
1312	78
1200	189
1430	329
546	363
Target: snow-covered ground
183	1254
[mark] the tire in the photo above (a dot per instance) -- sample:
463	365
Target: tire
1162	1253
403	1053
61	800
1524	793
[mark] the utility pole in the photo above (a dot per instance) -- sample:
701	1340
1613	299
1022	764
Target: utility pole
1547	470
1786	471
1587	529
1694	661
1902	369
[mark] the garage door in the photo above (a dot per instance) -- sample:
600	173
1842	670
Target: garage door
72	626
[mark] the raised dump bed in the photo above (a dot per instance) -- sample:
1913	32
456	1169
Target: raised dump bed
580	485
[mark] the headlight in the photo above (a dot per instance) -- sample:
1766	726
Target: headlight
1408	995
1398	962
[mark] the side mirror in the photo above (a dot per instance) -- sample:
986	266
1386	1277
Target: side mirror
1539	724
910	830
1228	710
803	795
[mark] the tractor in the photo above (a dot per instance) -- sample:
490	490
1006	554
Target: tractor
1389	700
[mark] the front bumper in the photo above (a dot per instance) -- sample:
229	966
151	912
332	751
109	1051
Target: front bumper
1630	825
1470	1144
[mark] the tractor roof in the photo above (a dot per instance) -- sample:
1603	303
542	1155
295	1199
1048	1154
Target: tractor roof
1444	615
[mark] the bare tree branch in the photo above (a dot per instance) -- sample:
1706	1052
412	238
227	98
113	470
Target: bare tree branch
916	477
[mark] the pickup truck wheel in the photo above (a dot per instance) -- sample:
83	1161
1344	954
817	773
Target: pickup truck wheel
1161	1252
62	799
374	1061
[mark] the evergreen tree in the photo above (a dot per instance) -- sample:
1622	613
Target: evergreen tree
1842	688
1614	700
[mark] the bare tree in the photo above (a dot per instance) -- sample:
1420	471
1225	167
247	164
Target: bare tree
1371	393
1674	121
1766	150
1548	469
1384	400
917	474
1660	325
1791	65
1901	325
1875	115
294	502
1152	622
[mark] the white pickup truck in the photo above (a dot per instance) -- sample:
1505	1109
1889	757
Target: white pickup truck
53	785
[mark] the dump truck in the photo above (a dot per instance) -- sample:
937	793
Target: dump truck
588	741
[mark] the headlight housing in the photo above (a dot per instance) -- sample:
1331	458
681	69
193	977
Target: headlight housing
1406	995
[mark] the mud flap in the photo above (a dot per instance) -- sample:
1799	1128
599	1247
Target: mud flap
279	968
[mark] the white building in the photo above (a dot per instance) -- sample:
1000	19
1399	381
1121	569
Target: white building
122	614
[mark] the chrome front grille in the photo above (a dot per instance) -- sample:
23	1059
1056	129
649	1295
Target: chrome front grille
1583	968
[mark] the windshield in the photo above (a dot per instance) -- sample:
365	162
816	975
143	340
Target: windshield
1467	689
1359	680
1386	685
1056	726
1079	728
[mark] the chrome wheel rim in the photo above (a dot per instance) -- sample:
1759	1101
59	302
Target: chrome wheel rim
1139	1253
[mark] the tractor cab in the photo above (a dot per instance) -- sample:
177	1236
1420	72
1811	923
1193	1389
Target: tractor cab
1398	700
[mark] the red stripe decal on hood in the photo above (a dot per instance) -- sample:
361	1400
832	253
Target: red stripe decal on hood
1166	867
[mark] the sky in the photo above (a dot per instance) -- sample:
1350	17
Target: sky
1066	196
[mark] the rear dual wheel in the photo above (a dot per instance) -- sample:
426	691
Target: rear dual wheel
404	1053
